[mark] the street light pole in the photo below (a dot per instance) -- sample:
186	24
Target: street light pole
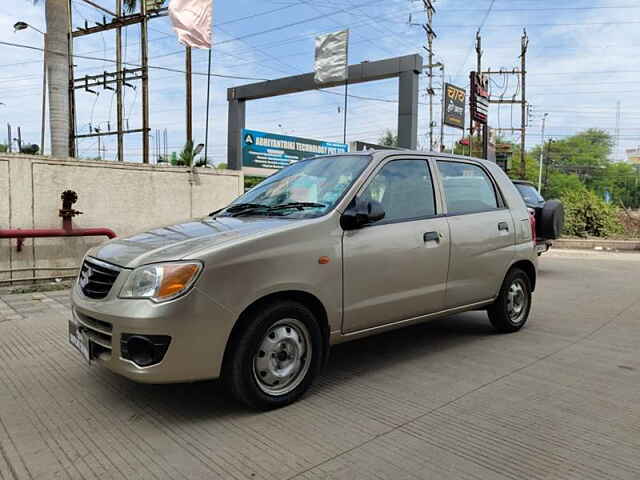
544	119
442	112
23	26
44	94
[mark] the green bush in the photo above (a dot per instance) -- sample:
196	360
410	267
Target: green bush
586	214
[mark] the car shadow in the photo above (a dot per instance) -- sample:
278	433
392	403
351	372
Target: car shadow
209	399
388	349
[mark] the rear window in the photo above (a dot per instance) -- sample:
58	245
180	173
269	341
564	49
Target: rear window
467	188
529	193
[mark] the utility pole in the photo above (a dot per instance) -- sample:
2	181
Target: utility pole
206	127
189	92
428	28
442	94
547	164
166	144
522	74
119	79
544	119
484	129
524	44
72	93
144	39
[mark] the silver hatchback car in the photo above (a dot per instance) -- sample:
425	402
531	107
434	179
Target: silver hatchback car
325	251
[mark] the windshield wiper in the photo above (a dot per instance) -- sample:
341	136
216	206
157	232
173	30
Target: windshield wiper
298	205
238	208
274	208
244	206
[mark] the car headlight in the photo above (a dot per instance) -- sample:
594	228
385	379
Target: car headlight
162	281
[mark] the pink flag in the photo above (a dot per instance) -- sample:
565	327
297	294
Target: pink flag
191	19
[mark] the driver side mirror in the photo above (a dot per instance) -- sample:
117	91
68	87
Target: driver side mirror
361	213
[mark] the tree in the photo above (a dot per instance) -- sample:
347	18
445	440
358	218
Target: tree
584	152
187	154
620	182
389	139
30	149
130	5
57	60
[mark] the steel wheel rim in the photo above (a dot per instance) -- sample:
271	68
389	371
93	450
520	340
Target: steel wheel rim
282	358
517	301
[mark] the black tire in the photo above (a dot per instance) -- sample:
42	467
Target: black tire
501	313
552	219
240	370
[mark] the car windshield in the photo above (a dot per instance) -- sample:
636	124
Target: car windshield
306	189
529	193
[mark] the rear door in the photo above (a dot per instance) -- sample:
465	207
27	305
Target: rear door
482	232
396	268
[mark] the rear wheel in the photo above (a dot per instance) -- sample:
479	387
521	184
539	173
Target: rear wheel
277	356
511	309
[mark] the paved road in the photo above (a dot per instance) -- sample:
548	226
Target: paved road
449	399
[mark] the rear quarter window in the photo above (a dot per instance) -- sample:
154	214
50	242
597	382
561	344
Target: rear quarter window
467	188
529	193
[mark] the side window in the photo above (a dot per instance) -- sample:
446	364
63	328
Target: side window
467	188
405	190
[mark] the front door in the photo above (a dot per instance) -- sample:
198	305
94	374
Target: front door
396	268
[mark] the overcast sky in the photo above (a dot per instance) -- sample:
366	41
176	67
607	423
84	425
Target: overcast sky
582	60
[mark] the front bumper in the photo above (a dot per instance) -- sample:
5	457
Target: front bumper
197	326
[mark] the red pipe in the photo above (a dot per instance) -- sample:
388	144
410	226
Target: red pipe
68	231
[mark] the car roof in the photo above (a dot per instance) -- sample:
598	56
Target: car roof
523	182
380	154
441	155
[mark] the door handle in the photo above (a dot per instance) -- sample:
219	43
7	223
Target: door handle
431	237
503	226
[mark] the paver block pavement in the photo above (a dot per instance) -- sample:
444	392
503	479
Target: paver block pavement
447	399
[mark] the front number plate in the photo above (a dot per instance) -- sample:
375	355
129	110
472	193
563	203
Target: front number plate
79	340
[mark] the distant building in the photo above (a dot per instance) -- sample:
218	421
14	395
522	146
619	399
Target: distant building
633	155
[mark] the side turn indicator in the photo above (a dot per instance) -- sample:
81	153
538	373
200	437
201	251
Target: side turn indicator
324	260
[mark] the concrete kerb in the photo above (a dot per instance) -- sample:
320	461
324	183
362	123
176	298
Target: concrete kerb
597	244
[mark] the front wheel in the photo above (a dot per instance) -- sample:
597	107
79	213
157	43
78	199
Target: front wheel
275	359
511	309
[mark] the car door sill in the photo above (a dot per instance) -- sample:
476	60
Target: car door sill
339	337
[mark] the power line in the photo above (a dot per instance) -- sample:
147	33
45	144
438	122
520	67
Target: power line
298	22
521	25
484	19
544	9
85	57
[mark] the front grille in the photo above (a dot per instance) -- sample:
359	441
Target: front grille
96	278
99	332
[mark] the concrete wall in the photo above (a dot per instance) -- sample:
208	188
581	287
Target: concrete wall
126	197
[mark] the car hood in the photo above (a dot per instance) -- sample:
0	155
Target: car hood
175	242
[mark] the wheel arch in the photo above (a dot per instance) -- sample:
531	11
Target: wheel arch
529	268
305	298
